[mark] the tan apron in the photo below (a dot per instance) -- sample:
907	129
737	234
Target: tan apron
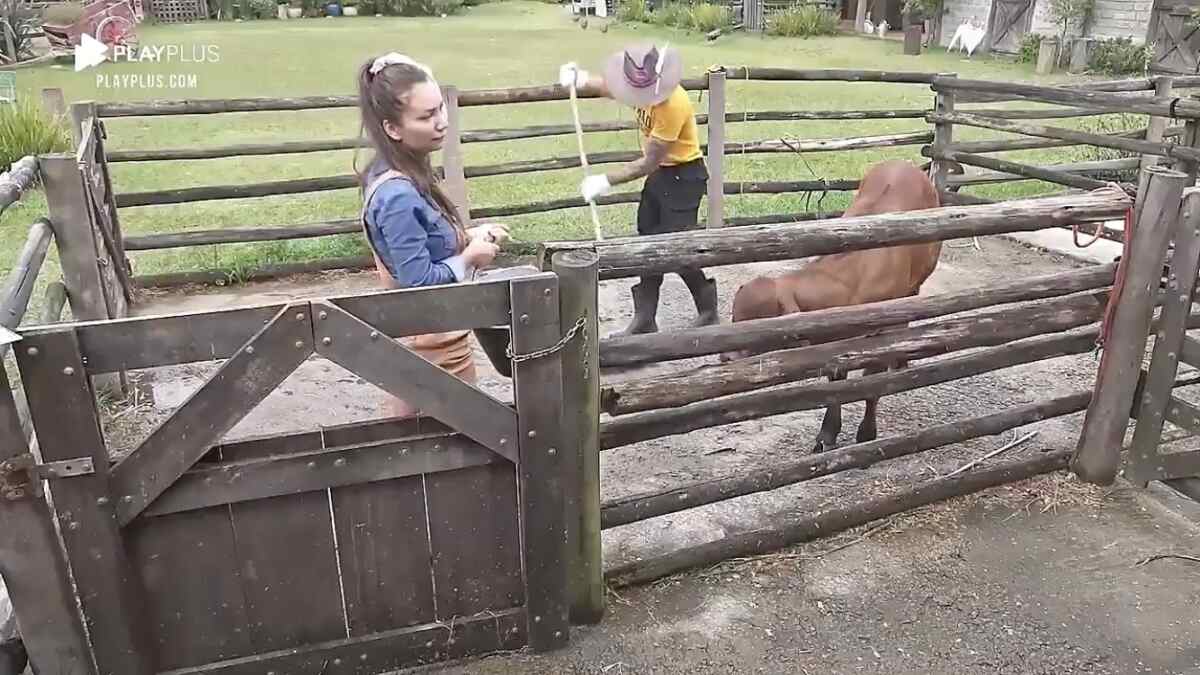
450	351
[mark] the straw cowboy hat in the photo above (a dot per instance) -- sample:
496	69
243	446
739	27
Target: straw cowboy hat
643	75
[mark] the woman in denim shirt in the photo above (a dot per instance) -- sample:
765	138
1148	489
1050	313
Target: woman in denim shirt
412	226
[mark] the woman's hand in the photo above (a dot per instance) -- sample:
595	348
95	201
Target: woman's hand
496	233
480	253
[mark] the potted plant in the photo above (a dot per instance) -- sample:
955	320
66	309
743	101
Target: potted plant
349	7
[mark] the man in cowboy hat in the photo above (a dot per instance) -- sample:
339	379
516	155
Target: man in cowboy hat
647	78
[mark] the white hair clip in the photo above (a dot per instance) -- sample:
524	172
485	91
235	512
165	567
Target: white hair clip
394	59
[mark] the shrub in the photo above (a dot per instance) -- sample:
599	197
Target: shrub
259	9
706	17
634	11
675	14
25	22
1031	43
803	21
1120	56
26	130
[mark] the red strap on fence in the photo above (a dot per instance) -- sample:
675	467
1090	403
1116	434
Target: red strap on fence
1118	283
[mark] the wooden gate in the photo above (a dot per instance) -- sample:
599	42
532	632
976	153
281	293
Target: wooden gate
1149	459
353	549
1175	38
1010	20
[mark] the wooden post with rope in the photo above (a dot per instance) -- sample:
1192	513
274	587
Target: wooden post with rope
1097	456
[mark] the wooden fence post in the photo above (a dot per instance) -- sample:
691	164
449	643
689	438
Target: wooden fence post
537	380
74	237
752	11
62	404
943	132
94	296
716	149
452	159
32	561
54	102
578	283
80	112
1155	129
1097	456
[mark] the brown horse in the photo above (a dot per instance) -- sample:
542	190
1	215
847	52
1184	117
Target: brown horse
856	277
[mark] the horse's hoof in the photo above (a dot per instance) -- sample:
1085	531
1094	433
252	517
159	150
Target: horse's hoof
822	446
866	436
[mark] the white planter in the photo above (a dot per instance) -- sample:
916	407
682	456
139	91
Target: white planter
349	11
295	12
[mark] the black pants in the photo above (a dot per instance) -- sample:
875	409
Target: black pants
670	202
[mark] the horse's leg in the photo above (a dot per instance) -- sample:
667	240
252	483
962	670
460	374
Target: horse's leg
868	429
831	425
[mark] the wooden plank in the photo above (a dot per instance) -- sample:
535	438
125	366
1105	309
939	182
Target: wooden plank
1097	454
537	379
1060	133
358	347
293	473
638	507
74	237
788	331
1017	168
474	540
578	279
716	149
198	622
338	435
383	550
109	200
145	342
1183	415
986	329
809	396
383	652
1189	353
1156	396
289	571
241	383
34	566
633	256
64	415
810	526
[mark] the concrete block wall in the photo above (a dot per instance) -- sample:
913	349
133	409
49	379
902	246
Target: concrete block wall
1121	18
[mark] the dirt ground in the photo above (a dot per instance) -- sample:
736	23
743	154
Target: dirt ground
1035	578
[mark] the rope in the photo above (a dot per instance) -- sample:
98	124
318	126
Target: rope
1110	308
583	160
1097	236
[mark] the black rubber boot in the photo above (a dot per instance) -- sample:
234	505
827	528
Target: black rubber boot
645	308
704	294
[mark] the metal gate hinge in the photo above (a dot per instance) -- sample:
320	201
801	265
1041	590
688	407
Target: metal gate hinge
21	476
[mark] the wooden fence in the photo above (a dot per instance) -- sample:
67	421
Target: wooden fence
1085	100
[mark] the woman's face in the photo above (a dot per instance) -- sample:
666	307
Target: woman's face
423	123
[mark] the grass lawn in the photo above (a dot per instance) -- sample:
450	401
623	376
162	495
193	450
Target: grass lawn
480	48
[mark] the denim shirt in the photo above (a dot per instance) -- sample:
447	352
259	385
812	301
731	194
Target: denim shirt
413	239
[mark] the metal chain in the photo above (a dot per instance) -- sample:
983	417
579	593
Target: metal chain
547	351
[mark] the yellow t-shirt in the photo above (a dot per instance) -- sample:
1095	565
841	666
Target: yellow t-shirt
672	121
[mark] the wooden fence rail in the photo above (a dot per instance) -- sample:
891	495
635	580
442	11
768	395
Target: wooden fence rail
14	182
631	256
